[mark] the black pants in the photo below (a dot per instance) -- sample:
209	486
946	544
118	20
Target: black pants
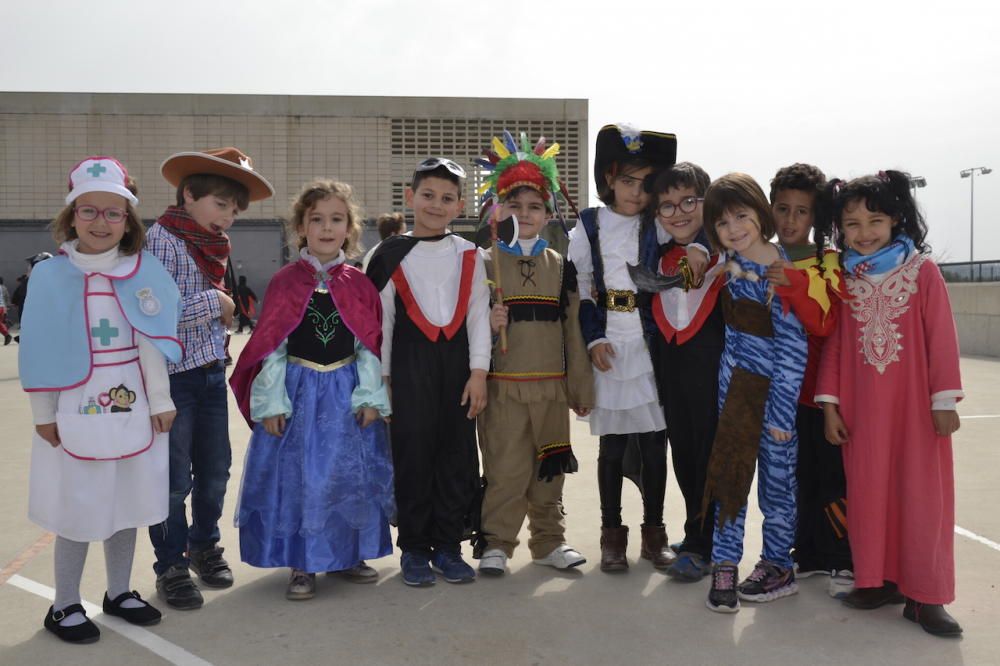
434	453
643	458
821	538
244	321
688	379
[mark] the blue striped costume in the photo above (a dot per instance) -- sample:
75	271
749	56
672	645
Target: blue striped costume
781	359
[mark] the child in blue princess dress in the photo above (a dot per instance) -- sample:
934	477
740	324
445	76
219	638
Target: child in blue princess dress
317	491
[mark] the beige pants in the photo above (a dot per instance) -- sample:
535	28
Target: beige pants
510	434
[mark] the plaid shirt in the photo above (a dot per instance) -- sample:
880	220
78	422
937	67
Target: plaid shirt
199	327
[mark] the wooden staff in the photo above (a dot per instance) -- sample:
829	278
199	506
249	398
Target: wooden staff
497	283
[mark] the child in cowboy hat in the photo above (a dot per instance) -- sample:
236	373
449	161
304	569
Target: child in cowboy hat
213	187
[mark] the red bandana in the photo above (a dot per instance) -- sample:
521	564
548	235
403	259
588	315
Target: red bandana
209	251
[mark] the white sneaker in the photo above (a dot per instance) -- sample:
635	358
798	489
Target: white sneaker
562	557
493	562
841	583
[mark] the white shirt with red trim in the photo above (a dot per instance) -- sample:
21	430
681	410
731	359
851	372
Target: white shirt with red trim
433	271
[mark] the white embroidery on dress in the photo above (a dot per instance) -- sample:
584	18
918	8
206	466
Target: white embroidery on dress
876	305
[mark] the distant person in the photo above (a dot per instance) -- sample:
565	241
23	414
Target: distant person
889	382
4	300
317	491
213	187
389	224
21	292
100	396
246	304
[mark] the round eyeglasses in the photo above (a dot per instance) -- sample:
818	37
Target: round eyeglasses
686	205
90	213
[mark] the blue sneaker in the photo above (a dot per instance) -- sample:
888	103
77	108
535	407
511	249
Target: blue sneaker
416	570
689	568
452	567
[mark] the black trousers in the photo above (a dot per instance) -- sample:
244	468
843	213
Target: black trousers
821	539
434	453
688	380
643	458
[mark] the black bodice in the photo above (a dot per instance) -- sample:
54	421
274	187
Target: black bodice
321	337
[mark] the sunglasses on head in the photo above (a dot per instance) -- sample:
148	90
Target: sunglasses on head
432	163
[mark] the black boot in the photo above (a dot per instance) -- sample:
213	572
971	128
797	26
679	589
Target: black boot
932	617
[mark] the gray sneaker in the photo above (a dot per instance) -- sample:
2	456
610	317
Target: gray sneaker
360	573
301	586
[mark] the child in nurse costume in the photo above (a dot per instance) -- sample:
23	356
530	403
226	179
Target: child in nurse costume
99	323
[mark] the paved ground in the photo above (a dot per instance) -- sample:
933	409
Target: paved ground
533	616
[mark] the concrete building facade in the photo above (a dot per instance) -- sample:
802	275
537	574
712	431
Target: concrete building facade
372	143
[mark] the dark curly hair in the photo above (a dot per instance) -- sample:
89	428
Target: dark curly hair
886	192
799	176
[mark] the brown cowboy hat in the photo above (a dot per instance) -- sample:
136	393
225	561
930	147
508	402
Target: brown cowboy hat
229	162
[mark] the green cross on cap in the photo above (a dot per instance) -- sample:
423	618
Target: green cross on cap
96	169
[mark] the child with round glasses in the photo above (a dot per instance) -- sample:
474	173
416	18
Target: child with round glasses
101	406
686	350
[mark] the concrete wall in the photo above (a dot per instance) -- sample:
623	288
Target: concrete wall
977	316
373	143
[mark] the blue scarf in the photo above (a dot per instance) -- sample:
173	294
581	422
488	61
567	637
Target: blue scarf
889	257
536	249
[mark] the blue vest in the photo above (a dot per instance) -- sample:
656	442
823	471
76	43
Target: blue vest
55	339
594	316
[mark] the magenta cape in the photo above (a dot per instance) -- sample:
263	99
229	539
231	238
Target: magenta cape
285	304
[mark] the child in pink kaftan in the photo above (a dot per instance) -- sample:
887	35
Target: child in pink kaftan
888	383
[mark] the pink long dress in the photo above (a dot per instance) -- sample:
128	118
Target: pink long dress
895	352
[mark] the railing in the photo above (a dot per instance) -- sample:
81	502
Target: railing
971	271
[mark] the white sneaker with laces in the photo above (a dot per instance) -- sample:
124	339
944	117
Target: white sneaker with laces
562	557
841	583
493	562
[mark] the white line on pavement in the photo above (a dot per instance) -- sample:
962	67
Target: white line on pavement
982	416
147	639
975	537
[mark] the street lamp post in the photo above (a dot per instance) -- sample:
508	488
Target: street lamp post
971	175
917	182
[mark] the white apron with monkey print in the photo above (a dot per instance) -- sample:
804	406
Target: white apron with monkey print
112	470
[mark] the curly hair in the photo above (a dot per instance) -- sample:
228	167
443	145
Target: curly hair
887	192
320	190
798	176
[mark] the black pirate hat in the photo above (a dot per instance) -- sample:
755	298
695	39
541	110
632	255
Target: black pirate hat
621	142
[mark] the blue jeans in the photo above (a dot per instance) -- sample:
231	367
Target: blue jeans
200	456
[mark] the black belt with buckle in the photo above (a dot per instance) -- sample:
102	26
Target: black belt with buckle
211	365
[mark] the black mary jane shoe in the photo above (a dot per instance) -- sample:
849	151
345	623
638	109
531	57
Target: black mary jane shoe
142	616
87	632
933	618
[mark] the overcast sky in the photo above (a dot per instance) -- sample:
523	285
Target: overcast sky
853	87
